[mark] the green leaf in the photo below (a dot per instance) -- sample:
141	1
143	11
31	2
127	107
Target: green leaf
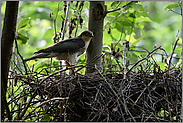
108	3
180	41
116	34
22	39
3	7
126	23
114	4
171	6
1	28
126	28
131	38
23	23
132	15
106	38
46	118
138	7
141	13
141	18
29	121
49	35
141	29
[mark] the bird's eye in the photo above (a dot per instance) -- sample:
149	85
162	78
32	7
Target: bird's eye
87	34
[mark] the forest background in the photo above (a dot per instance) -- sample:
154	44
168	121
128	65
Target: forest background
145	24
158	23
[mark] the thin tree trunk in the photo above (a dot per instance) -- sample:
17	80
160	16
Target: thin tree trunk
8	34
95	24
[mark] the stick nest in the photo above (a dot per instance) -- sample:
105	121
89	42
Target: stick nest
149	94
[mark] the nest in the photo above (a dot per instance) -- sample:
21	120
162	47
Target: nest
149	94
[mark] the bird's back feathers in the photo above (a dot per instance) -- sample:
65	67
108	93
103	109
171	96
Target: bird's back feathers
40	55
64	46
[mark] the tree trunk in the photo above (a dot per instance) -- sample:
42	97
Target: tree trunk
8	34
95	24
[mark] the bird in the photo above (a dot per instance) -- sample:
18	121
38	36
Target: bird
67	50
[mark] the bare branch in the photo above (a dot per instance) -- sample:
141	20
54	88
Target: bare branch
172	54
39	105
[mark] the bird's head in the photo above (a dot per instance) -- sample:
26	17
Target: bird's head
86	35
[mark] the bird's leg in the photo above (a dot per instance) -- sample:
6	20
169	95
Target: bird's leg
71	70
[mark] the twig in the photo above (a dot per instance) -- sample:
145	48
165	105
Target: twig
52	75
180	8
58	72
16	45
143	58
124	60
55	24
56	98
100	85
116	9
122	28
156	53
119	63
114	93
78	19
66	19
144	90
27	106
112	20
174	11
66	107
132	26
125	106
172	55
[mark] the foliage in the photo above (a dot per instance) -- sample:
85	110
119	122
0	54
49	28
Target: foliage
140	27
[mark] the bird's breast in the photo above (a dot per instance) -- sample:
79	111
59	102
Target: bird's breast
64	56
82	50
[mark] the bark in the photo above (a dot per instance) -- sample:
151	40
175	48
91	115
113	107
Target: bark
95	24
8	34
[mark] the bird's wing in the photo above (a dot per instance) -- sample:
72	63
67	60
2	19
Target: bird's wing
67	45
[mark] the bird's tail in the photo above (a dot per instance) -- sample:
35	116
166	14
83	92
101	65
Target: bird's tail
40	55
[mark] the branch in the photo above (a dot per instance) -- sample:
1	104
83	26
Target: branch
124	60
175	12
116	9
172	54
144	90
55	24
56	98
27	106
16	45
66	16
110	86
122	28
78	18
143	58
